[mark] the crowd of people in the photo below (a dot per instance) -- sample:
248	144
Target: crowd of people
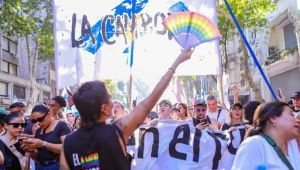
97	138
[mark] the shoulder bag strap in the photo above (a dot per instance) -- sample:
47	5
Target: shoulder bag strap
278	151
219	112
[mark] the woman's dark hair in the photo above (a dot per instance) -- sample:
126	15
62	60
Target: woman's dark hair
249	109
263	113
40	108
88	100
11	116
76	119
60	100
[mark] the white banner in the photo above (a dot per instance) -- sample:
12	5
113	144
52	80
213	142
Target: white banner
93	40
176	145
235	139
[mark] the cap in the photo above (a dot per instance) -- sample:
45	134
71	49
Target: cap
168	102
236	105
297	94
199	102
16	104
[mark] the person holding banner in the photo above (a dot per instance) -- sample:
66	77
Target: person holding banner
104	146
272	144
235	118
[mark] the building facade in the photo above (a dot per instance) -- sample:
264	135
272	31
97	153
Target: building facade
277	47
14	73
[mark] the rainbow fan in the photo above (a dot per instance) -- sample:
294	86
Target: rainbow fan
191	29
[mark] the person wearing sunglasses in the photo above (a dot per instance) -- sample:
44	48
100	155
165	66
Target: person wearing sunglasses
48	138
200	119
14	124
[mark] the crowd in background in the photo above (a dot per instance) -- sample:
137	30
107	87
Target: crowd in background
51	139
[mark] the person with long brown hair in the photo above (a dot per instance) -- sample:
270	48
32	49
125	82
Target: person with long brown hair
271	143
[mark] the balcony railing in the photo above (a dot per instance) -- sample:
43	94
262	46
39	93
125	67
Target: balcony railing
279	55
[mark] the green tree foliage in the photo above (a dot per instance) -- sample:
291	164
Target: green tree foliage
32	18
32	21
251	14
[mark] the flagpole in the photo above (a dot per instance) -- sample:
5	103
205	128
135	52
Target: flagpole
250	49
131	51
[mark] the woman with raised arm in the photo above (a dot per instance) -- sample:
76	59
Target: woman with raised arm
272	144
104	145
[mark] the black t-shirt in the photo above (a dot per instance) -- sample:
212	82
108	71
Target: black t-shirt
11	162
95	147
60	129
225	126
28	128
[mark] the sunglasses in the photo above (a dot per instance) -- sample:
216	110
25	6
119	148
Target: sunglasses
17	125
40	119
202	110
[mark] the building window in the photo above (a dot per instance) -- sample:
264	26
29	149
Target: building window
3	89
19	92
4	66
10	45
289	36
8	67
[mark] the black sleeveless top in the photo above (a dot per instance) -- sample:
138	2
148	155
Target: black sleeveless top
95	147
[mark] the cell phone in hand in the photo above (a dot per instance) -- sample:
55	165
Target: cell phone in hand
203	120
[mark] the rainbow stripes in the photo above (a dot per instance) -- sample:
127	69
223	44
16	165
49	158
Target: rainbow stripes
191	29
91	161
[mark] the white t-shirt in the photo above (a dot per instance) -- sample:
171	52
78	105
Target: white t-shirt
256	151
222	118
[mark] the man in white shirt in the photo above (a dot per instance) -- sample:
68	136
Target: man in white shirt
214	112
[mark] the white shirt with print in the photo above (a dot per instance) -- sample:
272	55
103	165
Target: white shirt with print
256	151
222	118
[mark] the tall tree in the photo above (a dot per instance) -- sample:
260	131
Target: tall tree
31	20
251	14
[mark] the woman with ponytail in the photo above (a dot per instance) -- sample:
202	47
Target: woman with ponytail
271	142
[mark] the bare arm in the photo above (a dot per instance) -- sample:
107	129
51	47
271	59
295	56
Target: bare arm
63	162
131	121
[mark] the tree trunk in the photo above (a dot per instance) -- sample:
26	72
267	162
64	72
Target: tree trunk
247	74
32	63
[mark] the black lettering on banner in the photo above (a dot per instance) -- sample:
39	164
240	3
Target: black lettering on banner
75	43
184	140
145	22
120	28
218	154
231	148
103	31
196	144
86	28
162	16
155	144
